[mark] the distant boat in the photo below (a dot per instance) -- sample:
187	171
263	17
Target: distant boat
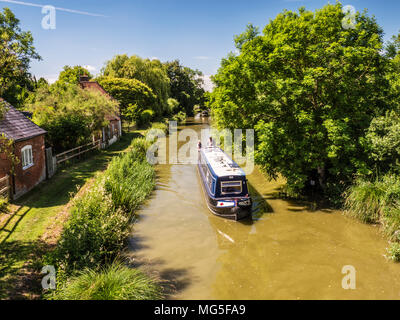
224	184
204	114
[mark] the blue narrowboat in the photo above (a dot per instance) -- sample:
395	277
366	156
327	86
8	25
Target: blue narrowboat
224	184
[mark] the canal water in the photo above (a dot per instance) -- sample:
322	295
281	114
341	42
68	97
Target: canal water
287	251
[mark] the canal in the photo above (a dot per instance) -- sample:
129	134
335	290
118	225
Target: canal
287	251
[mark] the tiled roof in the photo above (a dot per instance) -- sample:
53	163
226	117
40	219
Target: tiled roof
16	126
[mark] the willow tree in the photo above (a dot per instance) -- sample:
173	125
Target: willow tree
310	87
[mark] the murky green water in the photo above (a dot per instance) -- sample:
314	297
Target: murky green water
287	252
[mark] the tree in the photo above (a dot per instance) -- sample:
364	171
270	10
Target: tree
16	53
186	86
133	95
150	72
70	75
70	115
310	88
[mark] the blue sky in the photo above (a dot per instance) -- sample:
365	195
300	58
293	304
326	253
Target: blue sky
198	33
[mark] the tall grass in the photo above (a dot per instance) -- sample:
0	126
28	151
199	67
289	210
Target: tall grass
100	224
115	282
378	202
369	200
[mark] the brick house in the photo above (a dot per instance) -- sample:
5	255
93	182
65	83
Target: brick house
111	133
29	148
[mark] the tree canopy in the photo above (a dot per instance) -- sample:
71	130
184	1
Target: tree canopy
16	53
310	88
134	96
150	72
70	75
186	86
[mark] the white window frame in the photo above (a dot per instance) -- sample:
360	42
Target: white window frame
226	182
27	157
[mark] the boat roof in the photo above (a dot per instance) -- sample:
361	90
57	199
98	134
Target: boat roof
221	164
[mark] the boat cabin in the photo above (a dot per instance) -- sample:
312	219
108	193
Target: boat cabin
225	184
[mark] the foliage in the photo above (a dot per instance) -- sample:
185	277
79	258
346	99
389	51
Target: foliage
70	75
3	109
115	282
133	95
173	106
310	88
150	72
382	142
16	51
70	114
394	251
186	86
101	219
370	201
145	118
130	187
7	150
180	117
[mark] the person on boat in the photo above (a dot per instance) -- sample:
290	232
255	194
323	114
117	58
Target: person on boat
211	143
199	145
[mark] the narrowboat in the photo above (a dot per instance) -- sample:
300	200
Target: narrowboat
224	184
204	114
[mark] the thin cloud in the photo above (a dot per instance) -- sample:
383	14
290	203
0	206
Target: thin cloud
29	4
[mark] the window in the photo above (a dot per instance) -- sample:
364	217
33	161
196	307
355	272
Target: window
231	187
27	157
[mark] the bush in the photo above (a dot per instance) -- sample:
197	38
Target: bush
101	219
394	252
115	282
95	233
368	201
129	180
180	117
3	205
145	118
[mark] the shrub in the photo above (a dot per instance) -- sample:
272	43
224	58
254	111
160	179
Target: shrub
129	180
180	117
394	251
368	201
95	233
145	118
101	219
115	282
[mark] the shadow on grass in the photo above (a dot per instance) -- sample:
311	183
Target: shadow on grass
20	276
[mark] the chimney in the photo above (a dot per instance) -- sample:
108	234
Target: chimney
83	78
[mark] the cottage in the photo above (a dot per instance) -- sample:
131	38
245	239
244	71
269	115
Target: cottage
111	133
29	149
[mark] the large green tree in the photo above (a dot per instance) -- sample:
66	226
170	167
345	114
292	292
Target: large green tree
134	96
150	72
70	75
16	53
186	86
310	88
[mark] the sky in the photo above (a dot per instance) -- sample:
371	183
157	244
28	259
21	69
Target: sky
198	33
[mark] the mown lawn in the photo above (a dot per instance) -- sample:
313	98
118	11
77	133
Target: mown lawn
36	220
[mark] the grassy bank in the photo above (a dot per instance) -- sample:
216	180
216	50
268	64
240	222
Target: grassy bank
378	202
34	223
98	228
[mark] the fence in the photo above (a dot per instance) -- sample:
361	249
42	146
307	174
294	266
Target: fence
67	155
5	186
